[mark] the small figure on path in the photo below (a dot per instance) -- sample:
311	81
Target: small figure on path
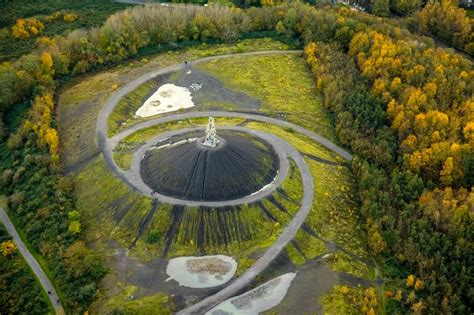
49	292
185	63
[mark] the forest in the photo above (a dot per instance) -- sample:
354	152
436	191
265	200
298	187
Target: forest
15	275
23	23
401	104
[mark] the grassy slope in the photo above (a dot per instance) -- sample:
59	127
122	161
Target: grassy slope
281	82
263	231
154	304
334	212
126	108
81	99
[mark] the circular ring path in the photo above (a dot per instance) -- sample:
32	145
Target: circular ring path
133	179
136	180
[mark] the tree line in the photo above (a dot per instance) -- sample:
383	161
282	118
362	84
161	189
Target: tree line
443	19
406	111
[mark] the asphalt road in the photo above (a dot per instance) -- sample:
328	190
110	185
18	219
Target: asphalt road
310	134
30	259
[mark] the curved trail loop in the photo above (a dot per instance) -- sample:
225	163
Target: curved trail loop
136	180
30	259
107	146
273	251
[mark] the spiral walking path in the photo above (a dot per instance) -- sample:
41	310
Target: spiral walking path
107	146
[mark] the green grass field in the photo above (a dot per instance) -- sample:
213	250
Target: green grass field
158	303
282	83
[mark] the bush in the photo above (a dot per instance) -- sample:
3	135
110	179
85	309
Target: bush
153	236
70	17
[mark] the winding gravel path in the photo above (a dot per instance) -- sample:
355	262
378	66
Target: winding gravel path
30	259
102	124
273	251
107	146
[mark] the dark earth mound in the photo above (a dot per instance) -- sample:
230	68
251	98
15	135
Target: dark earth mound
240	165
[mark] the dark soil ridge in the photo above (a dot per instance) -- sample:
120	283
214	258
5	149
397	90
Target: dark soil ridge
324	161
144	222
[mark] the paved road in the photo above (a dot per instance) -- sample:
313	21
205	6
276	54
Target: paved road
134	178
43	279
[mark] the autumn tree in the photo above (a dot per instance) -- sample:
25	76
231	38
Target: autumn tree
24	28
405	7
7	247
449	22
380	7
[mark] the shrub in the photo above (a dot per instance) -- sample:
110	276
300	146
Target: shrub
70	17
153	236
